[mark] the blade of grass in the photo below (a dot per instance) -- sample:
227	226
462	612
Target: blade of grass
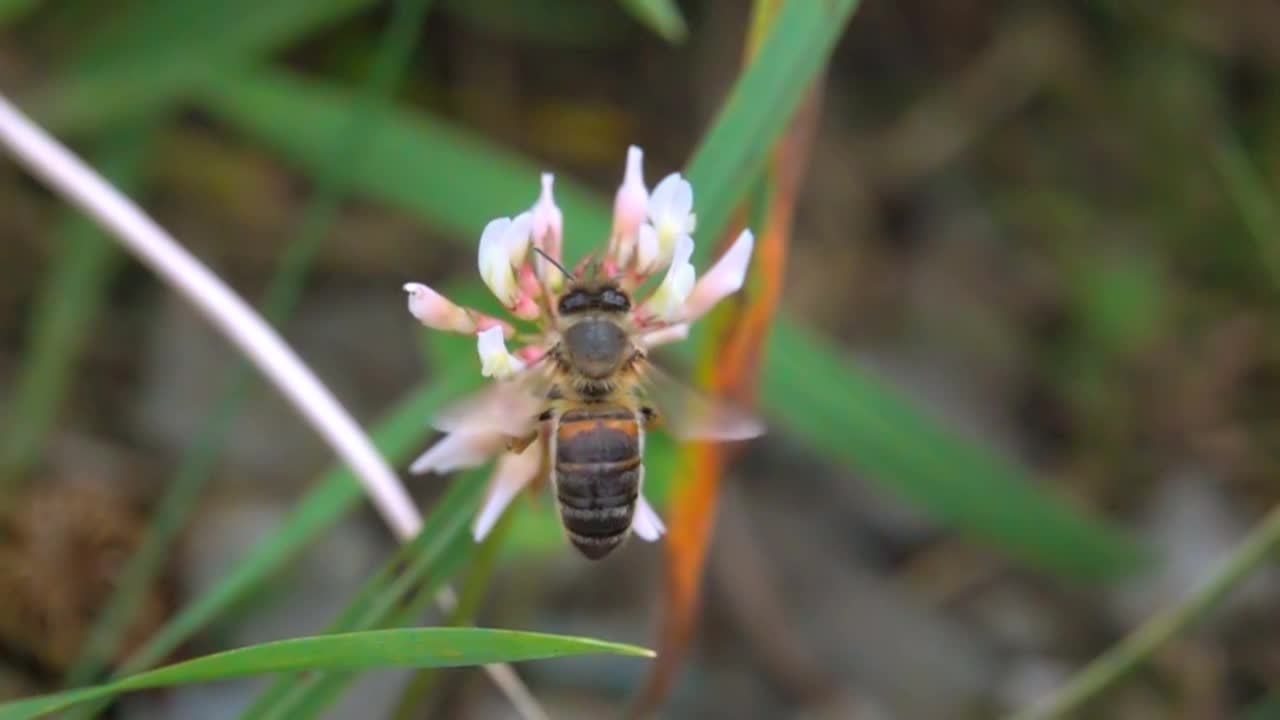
155	51
282	296
474	585
729	366
1109	668
861	422
856	410
661	16
65	173
405	647
425	562
14	9
334	495
63	318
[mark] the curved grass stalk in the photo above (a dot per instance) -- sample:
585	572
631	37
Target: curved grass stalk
1110	667
67	175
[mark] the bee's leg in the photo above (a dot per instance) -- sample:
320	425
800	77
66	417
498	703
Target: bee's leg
650	417
517	445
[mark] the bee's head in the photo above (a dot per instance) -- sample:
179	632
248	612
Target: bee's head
604	298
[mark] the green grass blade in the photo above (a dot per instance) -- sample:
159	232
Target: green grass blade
473	589
416	163
661	16
336	494
283	294
401	648
14	9
64	313
733	151
453	179
826	402
155	51
423	564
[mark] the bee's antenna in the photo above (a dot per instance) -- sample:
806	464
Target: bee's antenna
568	275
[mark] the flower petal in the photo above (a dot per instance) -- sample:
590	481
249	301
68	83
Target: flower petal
647	250
548	231
667	302
516	238
646	524
663	336
495	361
459	450
494	261
436	311
672	197
723	279
512	473
632	199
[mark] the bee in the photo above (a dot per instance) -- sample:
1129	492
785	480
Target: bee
592	396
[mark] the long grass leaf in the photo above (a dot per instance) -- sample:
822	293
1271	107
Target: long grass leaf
442	546
406	647
324	505
156	51
850	416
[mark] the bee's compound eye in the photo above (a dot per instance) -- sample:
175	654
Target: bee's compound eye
575	301
615	300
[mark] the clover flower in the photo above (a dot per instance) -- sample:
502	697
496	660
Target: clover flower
651	233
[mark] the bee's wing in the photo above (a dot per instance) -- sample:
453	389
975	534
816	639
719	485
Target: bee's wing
509	407
691	415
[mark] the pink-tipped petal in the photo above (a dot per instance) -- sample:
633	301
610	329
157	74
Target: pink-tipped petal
725	278
456	451
436	311
646	524
548	220
631	203
512	473
548	230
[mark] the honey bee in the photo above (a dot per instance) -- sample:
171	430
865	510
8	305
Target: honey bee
592	395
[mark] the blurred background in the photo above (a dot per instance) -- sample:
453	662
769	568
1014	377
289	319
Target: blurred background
1034	257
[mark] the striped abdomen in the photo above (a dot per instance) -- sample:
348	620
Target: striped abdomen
597	478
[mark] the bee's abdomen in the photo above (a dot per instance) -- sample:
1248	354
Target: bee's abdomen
597	476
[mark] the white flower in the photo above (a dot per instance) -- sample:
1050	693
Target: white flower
671	216
723	279
436	311
667	302
503	246
548	229
495	361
